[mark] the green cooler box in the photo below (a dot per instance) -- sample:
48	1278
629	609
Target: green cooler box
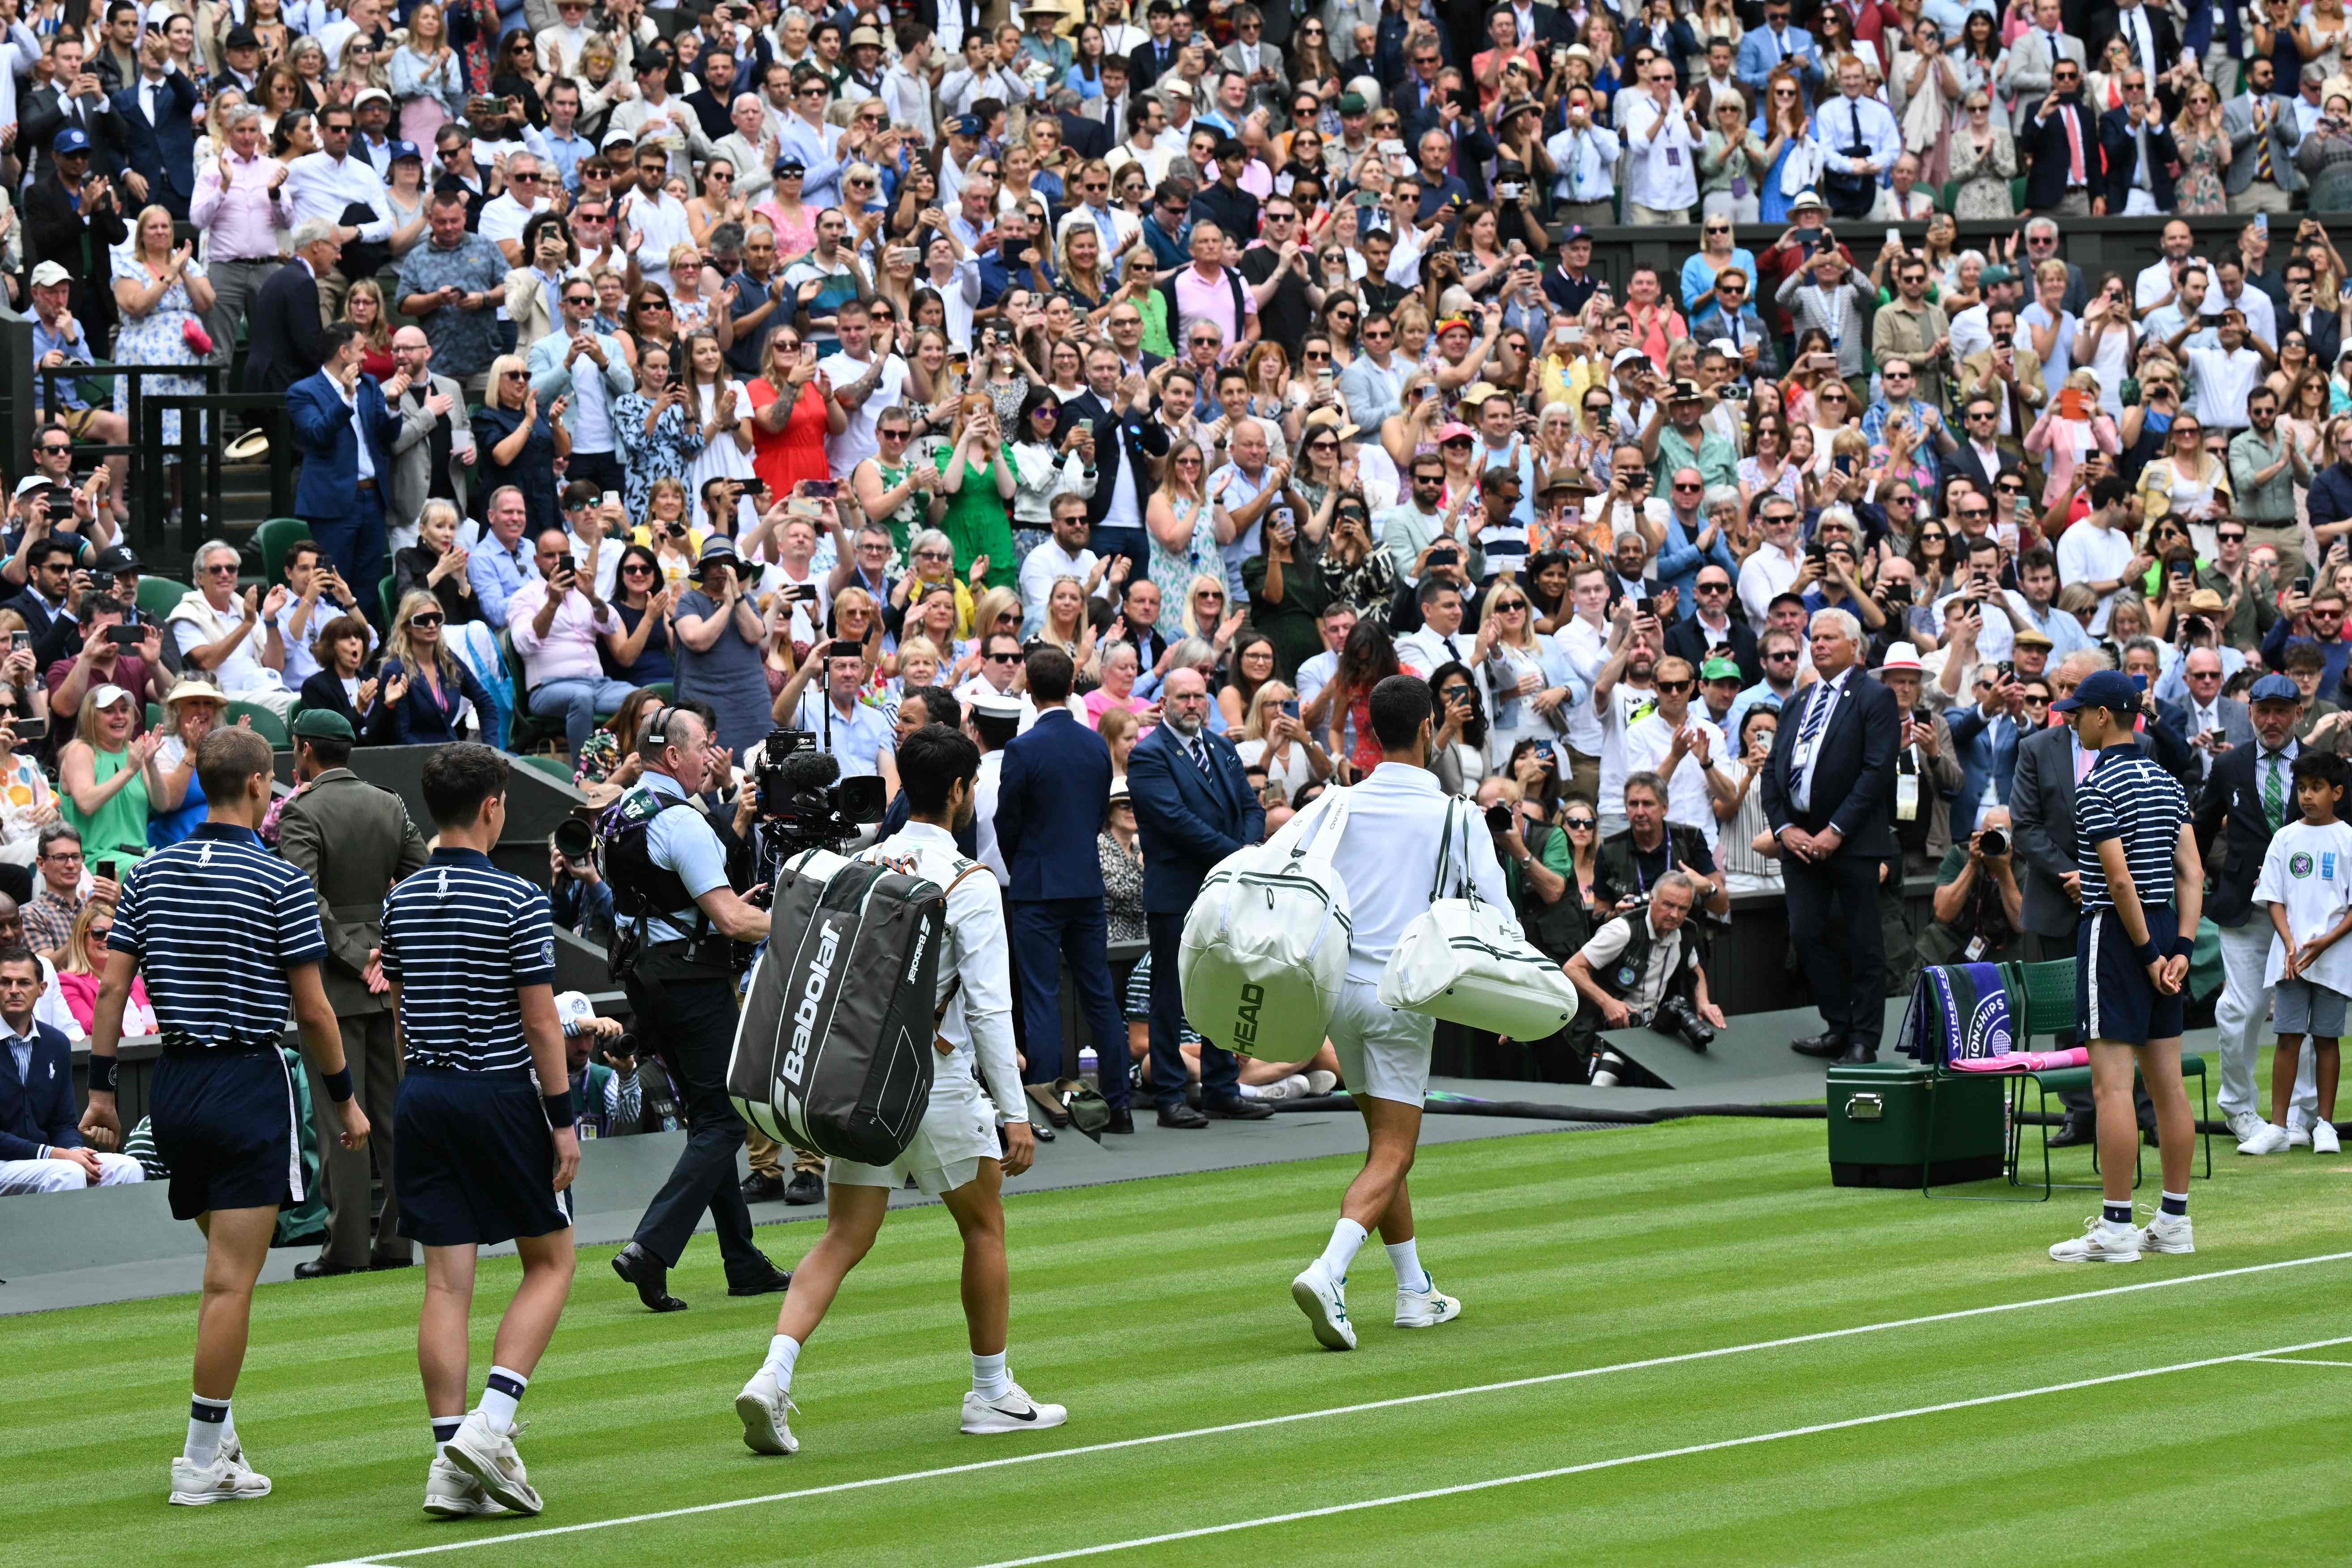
1878	1125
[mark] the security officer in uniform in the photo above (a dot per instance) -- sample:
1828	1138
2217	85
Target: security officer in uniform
676	920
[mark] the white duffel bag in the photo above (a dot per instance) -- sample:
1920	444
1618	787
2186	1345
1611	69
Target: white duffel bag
1464	960
1265	943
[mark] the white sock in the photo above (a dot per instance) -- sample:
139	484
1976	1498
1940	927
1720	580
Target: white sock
1405	1258
1345	1237
500	1395
207	1428
783	1354
988	1378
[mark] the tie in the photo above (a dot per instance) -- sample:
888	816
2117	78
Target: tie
2074	145
1817	712
1201	756
2262	143
1452	652
2273	794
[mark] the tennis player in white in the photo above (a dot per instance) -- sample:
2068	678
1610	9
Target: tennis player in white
1388	856
954	1155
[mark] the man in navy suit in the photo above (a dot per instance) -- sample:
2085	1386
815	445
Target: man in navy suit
341	490
1985	738
2054	127
1123	473
1829	792
2125	135
151	129
1193	807
1052	799
282	343
40	1144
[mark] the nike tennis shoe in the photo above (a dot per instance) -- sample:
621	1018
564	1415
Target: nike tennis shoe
1425	1307
1324	1299
490	1459
2323	1140
2271	1139
1015	1412
2167	1233
2099	1243
229	1479
766	1413
451	1493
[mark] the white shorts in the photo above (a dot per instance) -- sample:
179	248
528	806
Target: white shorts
1383	1052
958	1131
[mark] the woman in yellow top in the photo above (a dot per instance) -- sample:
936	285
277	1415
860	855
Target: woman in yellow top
2189	480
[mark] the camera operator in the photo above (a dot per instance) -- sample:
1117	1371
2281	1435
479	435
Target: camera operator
1638	969
1633	863
1539	868
603	1062
1979	905
581	898
676	918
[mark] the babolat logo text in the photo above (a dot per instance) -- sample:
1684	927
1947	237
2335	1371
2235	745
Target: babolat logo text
1245	1019
828	944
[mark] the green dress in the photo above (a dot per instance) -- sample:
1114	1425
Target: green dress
120	827
978	525
903	522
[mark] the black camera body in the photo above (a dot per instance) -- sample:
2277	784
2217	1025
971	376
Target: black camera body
1677	1018
804	802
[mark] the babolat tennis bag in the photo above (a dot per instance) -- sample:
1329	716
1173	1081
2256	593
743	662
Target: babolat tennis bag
833	1052
1265	943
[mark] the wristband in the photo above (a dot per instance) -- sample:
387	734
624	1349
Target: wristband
102	1074
559	1109
2145	953
338	1084
2184	946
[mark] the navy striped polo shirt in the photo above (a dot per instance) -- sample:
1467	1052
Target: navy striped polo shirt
2128	796
460	939
215	921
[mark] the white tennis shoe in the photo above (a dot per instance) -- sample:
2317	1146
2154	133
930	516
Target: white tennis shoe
1324	1299
2323	1140
766	1411
2167	1233
2244	1125
1425	1307
2298	1135
2099	1244
229	1479
2271	1139
490	1459
1015	1412
451	1493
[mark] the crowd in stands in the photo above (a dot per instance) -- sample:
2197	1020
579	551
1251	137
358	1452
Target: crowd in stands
822	368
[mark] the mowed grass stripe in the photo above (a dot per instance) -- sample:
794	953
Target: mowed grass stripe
1151	1306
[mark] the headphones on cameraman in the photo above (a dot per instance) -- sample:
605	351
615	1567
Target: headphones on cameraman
656	729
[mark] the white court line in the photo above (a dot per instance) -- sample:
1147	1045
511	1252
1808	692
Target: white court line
1683	1452
1034	1458
2298	1361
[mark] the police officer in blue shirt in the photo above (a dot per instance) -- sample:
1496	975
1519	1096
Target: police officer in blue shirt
677	921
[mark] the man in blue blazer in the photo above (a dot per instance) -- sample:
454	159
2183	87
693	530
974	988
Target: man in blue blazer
152	131
1193	807
2122	133
1985	736
40	1144
342	491
1828	794
1052	799
1762	49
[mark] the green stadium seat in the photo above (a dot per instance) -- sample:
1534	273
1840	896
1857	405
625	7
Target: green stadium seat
389	594
523	731
265	723
275	538
553	767
158	596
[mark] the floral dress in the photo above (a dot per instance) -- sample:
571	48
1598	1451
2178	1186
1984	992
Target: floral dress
2202	161
156	338
1174	573
663	455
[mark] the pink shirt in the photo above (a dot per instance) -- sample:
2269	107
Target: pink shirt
1212	297
567	652
245	222
1099	702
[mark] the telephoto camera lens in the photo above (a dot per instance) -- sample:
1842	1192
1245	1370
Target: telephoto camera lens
1994	843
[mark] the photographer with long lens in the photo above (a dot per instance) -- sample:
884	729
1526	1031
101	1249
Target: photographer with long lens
675	954
1640	970
1979	904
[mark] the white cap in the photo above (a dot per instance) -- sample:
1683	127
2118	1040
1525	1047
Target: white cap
48	275
107	696
572	1011
997	705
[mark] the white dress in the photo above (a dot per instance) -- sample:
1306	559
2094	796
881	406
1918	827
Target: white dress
720	457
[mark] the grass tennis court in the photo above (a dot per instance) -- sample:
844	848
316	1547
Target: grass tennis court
1162	1307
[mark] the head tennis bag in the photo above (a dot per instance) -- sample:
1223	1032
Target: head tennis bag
833	1052
1265	943
1464	961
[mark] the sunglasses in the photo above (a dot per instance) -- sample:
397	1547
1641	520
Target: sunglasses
1003	658
1579	824
426	622
1675	686
1787	657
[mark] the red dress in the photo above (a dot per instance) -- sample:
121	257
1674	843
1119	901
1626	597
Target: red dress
786	457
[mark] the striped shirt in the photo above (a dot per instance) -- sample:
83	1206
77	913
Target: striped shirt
2128	796
461	938
216	922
